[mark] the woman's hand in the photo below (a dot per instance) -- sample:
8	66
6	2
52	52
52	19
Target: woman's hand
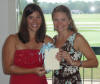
40	71
59	55
64	55
67	57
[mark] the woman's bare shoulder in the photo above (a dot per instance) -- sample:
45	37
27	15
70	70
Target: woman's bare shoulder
48	39
79	37
80	41
10	42
11	38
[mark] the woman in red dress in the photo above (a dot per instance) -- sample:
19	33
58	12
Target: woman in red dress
21	58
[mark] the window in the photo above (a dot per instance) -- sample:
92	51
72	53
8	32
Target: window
87	19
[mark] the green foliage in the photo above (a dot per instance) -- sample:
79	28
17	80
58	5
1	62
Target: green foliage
82	6
36	2
77	5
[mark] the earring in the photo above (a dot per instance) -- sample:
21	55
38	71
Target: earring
54	29
69	27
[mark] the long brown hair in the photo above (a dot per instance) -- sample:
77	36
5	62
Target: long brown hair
23	33
66	10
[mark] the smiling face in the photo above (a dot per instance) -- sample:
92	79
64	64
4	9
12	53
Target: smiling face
61	21
34	21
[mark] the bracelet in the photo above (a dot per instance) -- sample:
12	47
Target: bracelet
80	64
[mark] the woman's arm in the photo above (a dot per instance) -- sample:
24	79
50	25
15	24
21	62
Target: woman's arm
83	46
8	52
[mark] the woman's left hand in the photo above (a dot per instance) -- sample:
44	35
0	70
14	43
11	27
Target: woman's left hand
67	57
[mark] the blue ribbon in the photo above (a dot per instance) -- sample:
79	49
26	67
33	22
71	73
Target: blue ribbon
47	46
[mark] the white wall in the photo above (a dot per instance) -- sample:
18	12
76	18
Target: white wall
7	26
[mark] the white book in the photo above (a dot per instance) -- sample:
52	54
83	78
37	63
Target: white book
51	62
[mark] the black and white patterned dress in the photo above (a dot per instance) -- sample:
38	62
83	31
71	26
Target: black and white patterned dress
68	74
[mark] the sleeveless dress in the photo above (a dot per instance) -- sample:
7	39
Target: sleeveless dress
28	58
68	74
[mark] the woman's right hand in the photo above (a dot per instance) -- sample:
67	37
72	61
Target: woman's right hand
59	55
40	71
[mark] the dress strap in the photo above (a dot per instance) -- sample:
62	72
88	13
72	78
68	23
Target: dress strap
72	38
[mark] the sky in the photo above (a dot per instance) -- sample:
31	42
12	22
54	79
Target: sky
60	1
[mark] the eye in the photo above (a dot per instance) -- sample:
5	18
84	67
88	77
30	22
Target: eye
63	19
30	17
55	19
39	17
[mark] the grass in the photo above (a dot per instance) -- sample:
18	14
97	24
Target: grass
86	17
79	17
